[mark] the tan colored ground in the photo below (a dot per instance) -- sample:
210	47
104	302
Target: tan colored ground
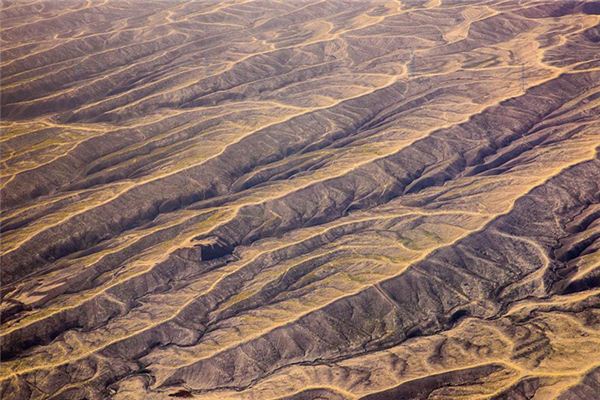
300	199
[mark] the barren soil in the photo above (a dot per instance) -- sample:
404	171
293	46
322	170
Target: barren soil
300	200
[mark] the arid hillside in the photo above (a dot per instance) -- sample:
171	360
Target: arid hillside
300	200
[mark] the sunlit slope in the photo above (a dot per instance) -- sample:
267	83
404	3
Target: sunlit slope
300	200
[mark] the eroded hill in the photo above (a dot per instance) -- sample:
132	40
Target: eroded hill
300	199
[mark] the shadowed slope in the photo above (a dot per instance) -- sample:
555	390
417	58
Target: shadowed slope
300	200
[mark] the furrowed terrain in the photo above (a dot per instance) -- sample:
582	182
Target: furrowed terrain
300	199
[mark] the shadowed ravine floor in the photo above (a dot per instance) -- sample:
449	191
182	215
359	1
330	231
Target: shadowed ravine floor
300	199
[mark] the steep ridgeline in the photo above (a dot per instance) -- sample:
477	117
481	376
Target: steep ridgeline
300	200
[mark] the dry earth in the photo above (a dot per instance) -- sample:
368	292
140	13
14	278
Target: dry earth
300	199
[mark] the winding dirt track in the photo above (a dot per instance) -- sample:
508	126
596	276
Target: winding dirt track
300	199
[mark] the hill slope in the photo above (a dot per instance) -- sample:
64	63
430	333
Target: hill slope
300	199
